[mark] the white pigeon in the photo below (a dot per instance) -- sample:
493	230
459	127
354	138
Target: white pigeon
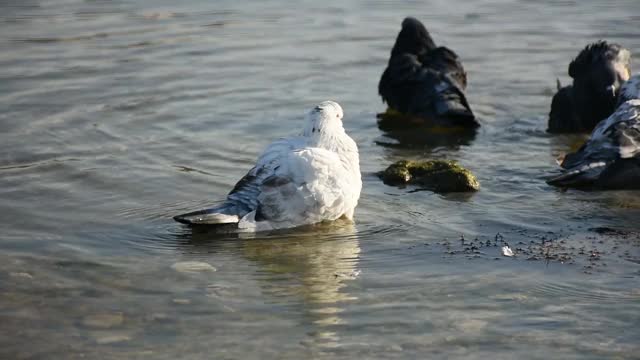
610	159
299	180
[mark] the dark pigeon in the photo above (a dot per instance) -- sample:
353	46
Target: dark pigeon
598	72
425	81
610	159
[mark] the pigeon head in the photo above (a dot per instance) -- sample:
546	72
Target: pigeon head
413	39
630	90
324	117
598	73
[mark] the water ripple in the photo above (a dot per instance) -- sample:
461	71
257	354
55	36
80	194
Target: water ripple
572	293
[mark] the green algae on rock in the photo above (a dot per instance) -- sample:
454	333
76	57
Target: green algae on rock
435	175
406	130
392	120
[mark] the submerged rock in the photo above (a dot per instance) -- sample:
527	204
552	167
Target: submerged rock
182	301
104	321
434	175
112	339
21	275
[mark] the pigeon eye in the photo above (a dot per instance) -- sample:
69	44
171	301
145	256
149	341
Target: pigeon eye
338	115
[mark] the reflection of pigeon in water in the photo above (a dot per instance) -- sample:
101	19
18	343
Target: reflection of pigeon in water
598	72
296	181
425	81
610	159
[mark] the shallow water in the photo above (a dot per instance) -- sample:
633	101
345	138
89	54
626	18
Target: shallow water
117	115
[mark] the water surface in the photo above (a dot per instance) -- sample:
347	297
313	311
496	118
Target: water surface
117	115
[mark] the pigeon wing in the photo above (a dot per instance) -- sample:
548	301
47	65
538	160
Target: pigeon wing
446	61
245	193
615	139
399	80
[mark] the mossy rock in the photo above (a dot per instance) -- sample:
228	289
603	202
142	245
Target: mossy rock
392	120
436	175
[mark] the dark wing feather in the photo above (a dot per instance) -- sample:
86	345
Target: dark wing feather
562	117
245	193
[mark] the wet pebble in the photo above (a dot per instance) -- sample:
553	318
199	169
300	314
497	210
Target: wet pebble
510	297
192	267
471	325
112	339
158	317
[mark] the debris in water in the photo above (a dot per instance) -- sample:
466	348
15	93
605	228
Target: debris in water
506	251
